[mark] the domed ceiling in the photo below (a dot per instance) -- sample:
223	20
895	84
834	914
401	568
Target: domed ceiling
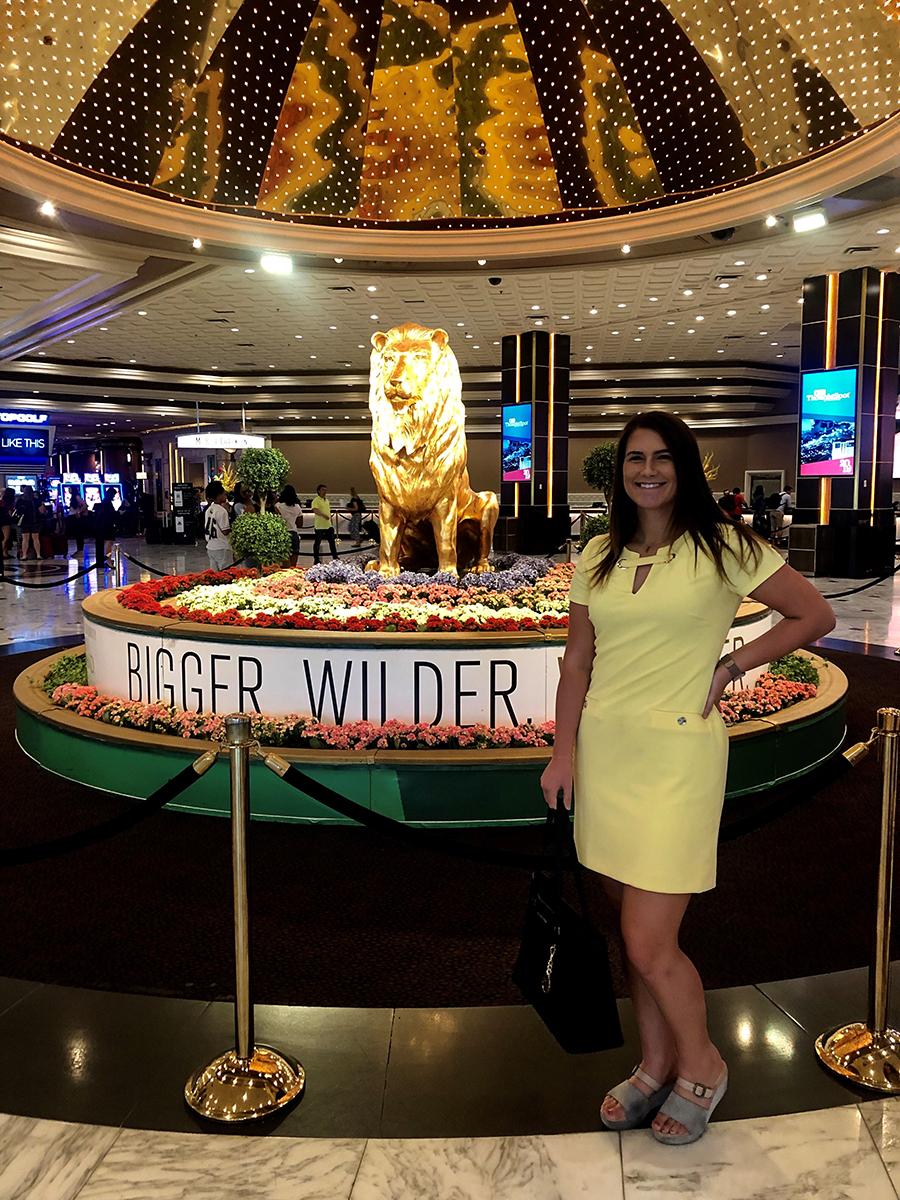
456	114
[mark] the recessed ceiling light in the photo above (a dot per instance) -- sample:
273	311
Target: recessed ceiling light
313	356
724	285
495	343
691	331
482	262
764	333
587	360
564	318
653	299
671	358
615	333
720	352
670	322
771	221
460	324
142	312
773	343
592	312
132	360
732	312
539	322
42	353
882	231
764	307
701	318
779	356
332	326
70	341
761	278
249	270
338	260
197	244
373	317
688	292
298	335
637	339
589	347
626	249
641	327
535	308
740	263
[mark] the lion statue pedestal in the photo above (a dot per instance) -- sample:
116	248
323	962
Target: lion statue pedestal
428	513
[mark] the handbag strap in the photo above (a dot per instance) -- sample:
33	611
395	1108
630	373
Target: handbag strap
559	832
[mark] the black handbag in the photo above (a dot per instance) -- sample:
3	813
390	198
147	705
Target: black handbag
563	965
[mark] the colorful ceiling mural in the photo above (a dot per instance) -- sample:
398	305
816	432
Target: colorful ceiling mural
461	113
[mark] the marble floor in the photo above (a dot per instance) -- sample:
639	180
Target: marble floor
870	618
847	1153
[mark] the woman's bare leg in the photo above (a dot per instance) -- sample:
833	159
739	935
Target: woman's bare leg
650	923
658	1053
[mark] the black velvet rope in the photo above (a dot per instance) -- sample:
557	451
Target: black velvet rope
800	792
98	833
862	587
4	578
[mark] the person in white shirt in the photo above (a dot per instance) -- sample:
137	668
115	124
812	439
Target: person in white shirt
216	526
291	512
785	505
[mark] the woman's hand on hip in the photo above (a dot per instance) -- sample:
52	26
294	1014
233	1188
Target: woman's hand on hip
557	777
720	680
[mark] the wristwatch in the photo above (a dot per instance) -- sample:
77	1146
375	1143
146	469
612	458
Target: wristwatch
730	666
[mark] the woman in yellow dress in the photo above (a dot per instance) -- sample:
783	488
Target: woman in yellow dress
639	734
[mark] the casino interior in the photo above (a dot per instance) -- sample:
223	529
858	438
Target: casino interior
249	242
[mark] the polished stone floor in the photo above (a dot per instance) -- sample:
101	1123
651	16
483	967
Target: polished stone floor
870	618
406	1104
403	1104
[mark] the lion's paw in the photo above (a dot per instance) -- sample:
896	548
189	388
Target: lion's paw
481	567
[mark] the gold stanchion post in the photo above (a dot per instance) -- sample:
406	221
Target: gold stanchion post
250	1081
869	1054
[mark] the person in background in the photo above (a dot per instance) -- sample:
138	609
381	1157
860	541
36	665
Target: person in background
291	512
726	502
240	498
7	518
31	521
761	523
75	522
786	504
740	503
216	526
106	523
323	527
357	508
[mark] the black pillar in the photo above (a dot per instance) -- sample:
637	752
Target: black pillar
852	319
534	513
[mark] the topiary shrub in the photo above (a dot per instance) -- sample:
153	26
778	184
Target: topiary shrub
261	536
795	668
592	527
263	470
599	468
70	668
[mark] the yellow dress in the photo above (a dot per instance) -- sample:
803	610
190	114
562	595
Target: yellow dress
649	770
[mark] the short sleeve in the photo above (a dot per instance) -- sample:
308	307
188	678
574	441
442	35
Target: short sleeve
580	587
745	577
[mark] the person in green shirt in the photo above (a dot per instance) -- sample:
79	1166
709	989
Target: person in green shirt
323	527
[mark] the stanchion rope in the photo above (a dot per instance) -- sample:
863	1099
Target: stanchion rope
4	578
862	587
816	781
118	824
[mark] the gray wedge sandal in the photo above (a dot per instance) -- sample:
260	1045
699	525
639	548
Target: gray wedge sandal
692	1116
636	1105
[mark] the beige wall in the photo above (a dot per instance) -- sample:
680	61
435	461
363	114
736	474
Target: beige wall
344	462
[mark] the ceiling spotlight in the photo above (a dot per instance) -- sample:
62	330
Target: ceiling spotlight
724	285
701	318
813	219
732	312
564	318
338	260
276	264
761	278
197	244
740	263
688	292
298	335
371	288
482	262
621	306
249	270
592	312
535	307
47	209
882	231
626	249
764	307
142	312
373	317
771	221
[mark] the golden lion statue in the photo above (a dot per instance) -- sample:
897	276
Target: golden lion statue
428	513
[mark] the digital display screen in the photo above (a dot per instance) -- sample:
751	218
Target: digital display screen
17	482
828	422
71	477
516	442
91	477
92	496
18	444
111	478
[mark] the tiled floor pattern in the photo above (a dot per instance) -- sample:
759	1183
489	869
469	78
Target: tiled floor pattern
871	617
846	1153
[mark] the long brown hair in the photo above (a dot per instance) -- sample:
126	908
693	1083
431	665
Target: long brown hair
696	512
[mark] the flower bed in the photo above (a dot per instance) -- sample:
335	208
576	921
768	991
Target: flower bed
522	594
771	695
